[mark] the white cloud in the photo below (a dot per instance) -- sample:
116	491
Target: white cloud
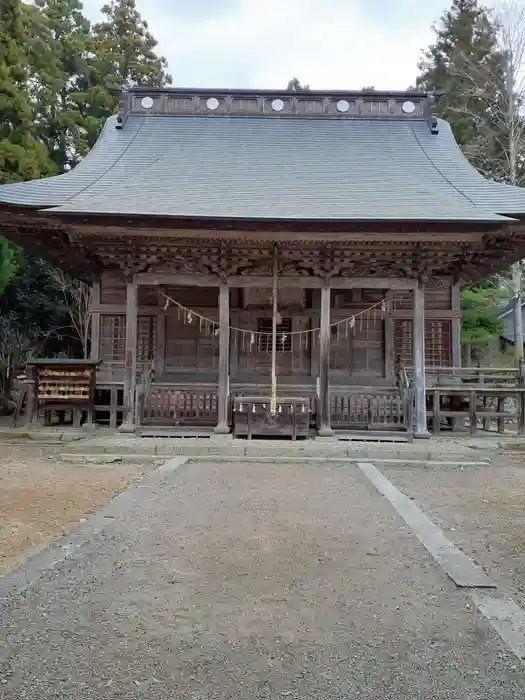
333	44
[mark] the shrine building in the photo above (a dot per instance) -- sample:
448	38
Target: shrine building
324	234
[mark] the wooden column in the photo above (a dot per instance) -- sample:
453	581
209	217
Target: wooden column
95	322
94	353
456	326
418	354
521	420
130	370
390	360
222	426
325	429
160	346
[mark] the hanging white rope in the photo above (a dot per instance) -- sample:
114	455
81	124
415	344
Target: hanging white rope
275	312
253	337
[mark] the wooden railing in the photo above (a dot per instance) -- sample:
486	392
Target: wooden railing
166	404
386	409
446	376
476	397
381	410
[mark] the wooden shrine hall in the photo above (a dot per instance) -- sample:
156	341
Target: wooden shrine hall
262	253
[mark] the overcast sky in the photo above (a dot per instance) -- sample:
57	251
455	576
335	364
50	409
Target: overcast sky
344	44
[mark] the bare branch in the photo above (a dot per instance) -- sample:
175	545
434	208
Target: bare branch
76	296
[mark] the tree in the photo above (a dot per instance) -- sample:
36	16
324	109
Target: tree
500	142
22	157
60	72
124	55
509	130
480	322
294	85
9	259
32	318
477	66
76	298
466	46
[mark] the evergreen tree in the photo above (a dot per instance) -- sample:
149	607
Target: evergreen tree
294	85
466	69
125	54
60	73
22	157
9	260
480	304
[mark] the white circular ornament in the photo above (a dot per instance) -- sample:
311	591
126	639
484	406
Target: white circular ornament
146	102
408	107
277	105
343	106
212	103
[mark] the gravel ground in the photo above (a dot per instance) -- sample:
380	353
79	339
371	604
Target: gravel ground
481	510
252	581
41	499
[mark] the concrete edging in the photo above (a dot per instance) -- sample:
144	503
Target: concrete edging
74	458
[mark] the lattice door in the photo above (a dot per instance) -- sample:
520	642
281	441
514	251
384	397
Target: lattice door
438	342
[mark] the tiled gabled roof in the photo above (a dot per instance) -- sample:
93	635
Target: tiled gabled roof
320	166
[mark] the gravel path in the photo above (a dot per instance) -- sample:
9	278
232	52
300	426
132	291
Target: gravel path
481	510
252	581
41	499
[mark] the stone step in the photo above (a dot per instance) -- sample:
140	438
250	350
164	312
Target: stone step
22	436
105	459
354	436
281	450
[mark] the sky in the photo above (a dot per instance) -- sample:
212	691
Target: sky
332	44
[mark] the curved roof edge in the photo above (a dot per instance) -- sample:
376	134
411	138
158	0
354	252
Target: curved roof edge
58	189
447	156
170	165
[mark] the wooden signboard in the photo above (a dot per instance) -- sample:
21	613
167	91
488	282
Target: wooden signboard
62	385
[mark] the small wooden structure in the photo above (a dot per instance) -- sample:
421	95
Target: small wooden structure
361	204
61	385
252	417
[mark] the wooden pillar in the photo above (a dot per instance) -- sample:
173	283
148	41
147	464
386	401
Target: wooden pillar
222	426
95	322
390	360
325	429
418	354
521	400
31	410
130	369
456	326
160	345
94	352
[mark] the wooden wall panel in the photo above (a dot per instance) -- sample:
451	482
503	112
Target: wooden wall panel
191	347
195	297
112	290
359	351
438	298
287	297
